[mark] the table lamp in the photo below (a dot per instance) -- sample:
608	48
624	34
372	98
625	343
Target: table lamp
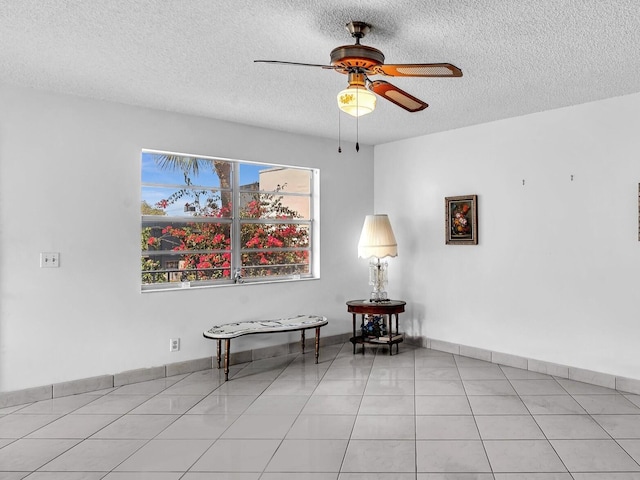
377	241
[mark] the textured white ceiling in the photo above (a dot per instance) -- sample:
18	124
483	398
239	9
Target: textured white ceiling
196	57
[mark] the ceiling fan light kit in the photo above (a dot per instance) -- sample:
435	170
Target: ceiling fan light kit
356	100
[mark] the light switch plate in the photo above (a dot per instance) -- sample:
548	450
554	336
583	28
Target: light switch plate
49	260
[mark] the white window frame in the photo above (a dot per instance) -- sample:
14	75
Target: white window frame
235	222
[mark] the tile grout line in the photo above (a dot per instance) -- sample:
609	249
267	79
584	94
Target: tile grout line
538	425
344	455
484	448
266	465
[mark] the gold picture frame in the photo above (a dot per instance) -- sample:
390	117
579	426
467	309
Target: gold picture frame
461	220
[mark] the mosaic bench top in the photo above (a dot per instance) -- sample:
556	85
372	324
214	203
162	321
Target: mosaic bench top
233	330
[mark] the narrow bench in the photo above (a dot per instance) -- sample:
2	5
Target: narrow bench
228	331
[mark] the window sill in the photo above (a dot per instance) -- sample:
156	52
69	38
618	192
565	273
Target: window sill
187	285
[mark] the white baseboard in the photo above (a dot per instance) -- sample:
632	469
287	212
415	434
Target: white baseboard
102	382
622	384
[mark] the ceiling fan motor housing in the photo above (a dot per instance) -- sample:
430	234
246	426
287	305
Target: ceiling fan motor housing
348	58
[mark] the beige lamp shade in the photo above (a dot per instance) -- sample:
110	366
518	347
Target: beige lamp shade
377	239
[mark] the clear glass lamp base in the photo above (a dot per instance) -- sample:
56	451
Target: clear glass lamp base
378	296
378	278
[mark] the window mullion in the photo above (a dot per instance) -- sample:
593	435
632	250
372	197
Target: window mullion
236	247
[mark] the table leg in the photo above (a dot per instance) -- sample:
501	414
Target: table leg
397	344
302	340
354	333
219	352
390	332
362	325
227	347
317	343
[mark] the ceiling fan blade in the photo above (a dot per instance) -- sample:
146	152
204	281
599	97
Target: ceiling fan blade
328	67
397	96
418	70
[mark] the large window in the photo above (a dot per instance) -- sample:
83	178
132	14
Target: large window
210	221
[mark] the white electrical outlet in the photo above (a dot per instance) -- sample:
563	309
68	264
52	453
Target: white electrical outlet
49	260
174	344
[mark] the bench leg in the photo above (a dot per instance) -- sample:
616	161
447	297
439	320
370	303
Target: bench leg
302	340
227	347
317	343
219	352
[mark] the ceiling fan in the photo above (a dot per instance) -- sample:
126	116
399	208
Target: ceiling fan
360	61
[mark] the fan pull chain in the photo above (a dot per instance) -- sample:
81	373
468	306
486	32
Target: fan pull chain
339	133
357	123
357	135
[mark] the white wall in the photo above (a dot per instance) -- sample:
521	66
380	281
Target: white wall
70	183
555	274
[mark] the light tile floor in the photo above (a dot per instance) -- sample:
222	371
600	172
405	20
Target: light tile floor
420	415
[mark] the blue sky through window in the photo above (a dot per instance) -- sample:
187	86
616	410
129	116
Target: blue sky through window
153	174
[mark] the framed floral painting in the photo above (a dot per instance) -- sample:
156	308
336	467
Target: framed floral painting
461	220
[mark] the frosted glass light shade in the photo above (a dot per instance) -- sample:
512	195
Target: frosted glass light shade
356	101
377	239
